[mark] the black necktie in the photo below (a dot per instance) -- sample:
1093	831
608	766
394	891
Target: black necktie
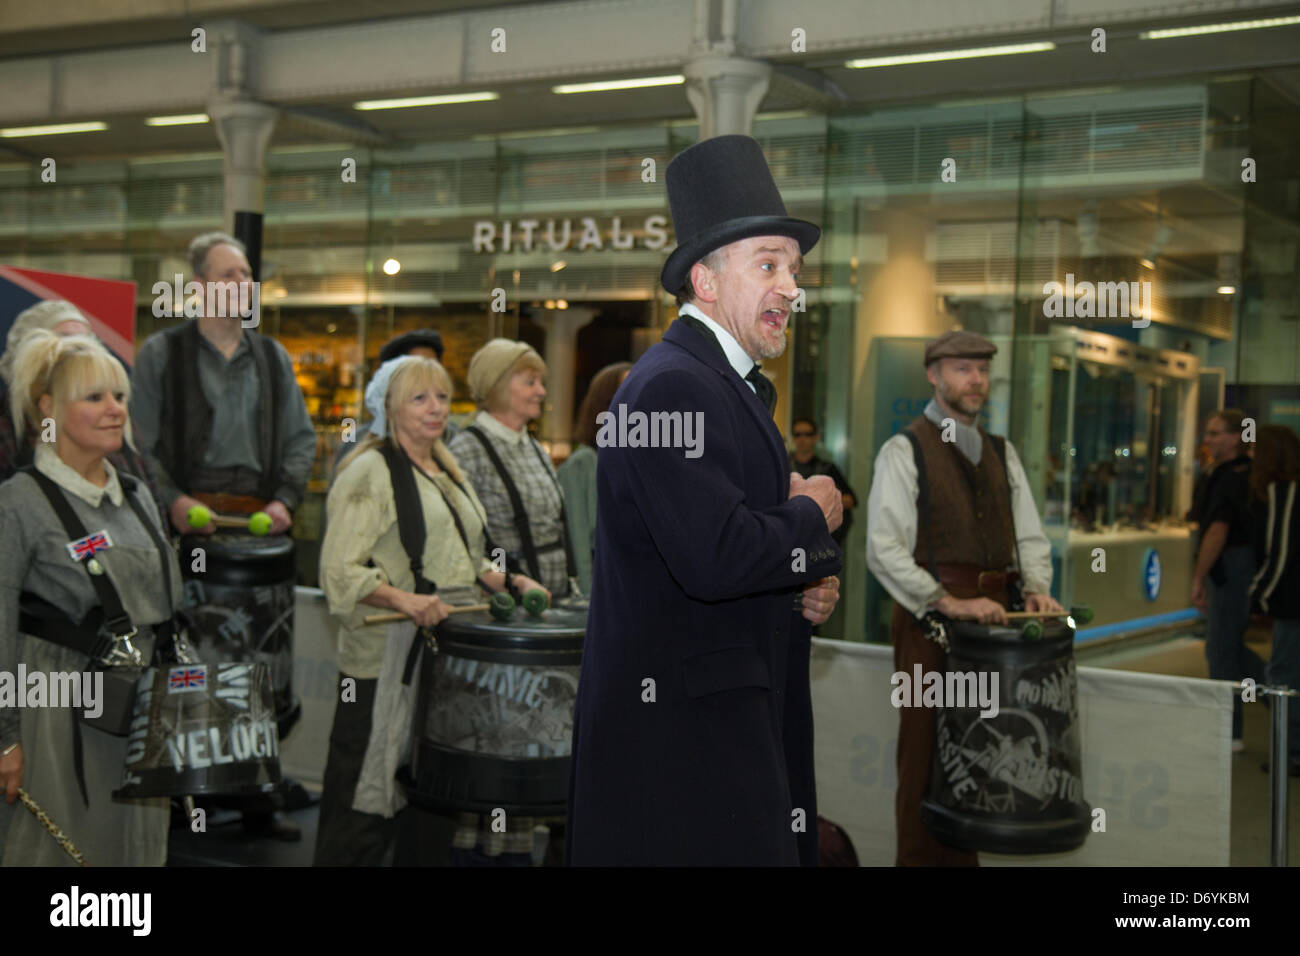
763	388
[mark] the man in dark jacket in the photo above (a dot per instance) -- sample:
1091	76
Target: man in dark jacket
693	725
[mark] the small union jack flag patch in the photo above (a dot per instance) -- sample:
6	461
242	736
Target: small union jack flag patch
181	680
90	545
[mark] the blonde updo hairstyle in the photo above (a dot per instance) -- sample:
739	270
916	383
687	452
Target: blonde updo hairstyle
410	379
67	368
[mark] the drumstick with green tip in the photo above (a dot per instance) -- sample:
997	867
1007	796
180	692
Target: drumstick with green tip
501	606
258	523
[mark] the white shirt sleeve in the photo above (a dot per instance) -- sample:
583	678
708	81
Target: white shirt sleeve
891	528
1035	549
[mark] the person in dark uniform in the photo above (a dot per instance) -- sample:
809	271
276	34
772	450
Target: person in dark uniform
692	731
806	463
1225	562
978	542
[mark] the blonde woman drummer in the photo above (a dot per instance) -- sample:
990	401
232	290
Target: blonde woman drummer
364	569
73	391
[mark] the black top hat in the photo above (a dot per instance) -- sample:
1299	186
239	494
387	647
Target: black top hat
720	191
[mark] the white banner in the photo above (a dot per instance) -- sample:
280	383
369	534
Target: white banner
1156	757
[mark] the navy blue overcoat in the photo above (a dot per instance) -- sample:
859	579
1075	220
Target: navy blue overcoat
692	737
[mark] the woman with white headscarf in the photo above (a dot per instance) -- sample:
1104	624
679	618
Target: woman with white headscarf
365	567
17	450
53	315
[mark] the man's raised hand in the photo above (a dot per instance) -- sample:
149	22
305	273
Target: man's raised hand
821	489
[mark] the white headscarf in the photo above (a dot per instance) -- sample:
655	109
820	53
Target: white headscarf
43	315
377	393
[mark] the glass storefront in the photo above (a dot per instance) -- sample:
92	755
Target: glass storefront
935	216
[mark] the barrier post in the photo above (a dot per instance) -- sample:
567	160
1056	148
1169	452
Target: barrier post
1278	768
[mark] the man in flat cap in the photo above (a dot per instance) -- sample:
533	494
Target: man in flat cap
976	541
692	737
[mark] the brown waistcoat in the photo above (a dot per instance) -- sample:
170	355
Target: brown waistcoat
970	506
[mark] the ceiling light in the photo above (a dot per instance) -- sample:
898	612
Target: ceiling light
967	54
557	265
1227	290
1218	28
392	267
404	102
53	130
184	119
632	84
1146	264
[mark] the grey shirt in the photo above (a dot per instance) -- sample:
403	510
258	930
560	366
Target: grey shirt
231	388
35	558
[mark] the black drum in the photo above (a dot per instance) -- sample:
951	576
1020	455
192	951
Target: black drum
493	720
202	729
241	607
1010	783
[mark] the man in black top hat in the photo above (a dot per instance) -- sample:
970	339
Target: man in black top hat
692	739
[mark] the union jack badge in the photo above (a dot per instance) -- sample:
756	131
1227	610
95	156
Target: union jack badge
90	545
191	677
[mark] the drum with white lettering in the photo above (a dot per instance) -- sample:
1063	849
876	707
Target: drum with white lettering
493	721
239	599
1007	774
202	729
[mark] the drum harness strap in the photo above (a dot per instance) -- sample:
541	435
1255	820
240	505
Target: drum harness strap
933	622
411	529
41	619
521	516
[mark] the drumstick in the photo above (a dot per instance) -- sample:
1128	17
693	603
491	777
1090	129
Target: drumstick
392	617
51	827
1082	614
225	521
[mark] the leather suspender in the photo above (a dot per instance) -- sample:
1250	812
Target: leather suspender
516	503
115	617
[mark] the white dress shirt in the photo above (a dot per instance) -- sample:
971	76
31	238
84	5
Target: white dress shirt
892	521
737	356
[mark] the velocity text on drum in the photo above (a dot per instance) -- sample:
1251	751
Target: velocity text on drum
950	689
76	689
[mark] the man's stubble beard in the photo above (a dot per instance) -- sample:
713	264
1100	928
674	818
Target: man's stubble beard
957	401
